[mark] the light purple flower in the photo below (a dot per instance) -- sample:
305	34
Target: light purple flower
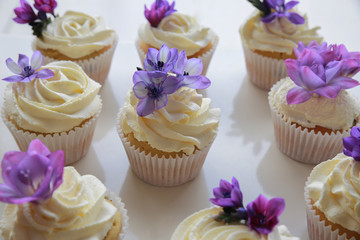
282	10
152	89
47	6
27	72
352	144
31	176
322	70
189	72
159	10
162	60
24	13
263	213
228	195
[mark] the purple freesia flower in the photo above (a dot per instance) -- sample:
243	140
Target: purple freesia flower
322	70
152	89
47	6
27	72
31	176
189	70
159	10
263	213
352	144
228	195
24	13
282	10
162	60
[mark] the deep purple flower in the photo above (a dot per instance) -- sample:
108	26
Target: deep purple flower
159	10
352	144
162	60
189	70
31	176
322	70
282	10
263	214
228	195
24	13
27	72
152	89
47	6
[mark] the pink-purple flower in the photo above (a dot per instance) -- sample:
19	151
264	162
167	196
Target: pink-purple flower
24	13
280	9
47	6
31	176
27	71
321	69
263	214
352	144
228	195
159	9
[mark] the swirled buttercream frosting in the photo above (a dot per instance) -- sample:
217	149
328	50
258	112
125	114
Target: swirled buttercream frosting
280	35
334	187
336	114
56	104
186	122
76	35
177	31
202	226
77	210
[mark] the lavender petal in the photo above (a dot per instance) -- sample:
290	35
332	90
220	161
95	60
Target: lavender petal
145	107
44	74
140	90
14	78
13	67
36	60
298	95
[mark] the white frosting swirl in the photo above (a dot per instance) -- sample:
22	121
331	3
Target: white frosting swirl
77	210
278	36
334	186
186	122
53	105
335	114
202	226
76	35
177	31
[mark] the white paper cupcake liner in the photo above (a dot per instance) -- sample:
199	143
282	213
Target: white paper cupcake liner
164	172
96	68
205	58
304	145
263	71
116	201
74	143
316	228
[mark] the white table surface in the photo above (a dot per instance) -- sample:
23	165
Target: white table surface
245	146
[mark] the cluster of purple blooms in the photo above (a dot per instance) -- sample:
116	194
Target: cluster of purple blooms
31	176
273	9
166	70
322	69
159	9
26	15
261	215
352	144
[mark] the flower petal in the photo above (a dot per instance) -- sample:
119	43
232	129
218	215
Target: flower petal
295	18
292	68
145	107
310	79
332	70
269	18
151	59
350	142
142	76
195	82
36	60
328	91
161	101
194	66
355	132
298	95
13	67
344	82
14	78
37	146
164	54
23	61
180	63
275	207
140	90
44	74
170	85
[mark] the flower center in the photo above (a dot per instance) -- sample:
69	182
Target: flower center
27	71
160	65
227	194
261	219
280	8
186	74
154	92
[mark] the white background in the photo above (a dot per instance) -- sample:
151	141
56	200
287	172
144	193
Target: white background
245	145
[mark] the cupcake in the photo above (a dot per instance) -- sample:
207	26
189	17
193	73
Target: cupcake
176	30
311	110
74	36
57	103
47	201
166	127
332	194
268	38
232	221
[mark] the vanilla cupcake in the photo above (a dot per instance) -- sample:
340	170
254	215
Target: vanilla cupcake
268	38
80	38
332	195
176	30
166	127
233	221
61	111
310	111
63	204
